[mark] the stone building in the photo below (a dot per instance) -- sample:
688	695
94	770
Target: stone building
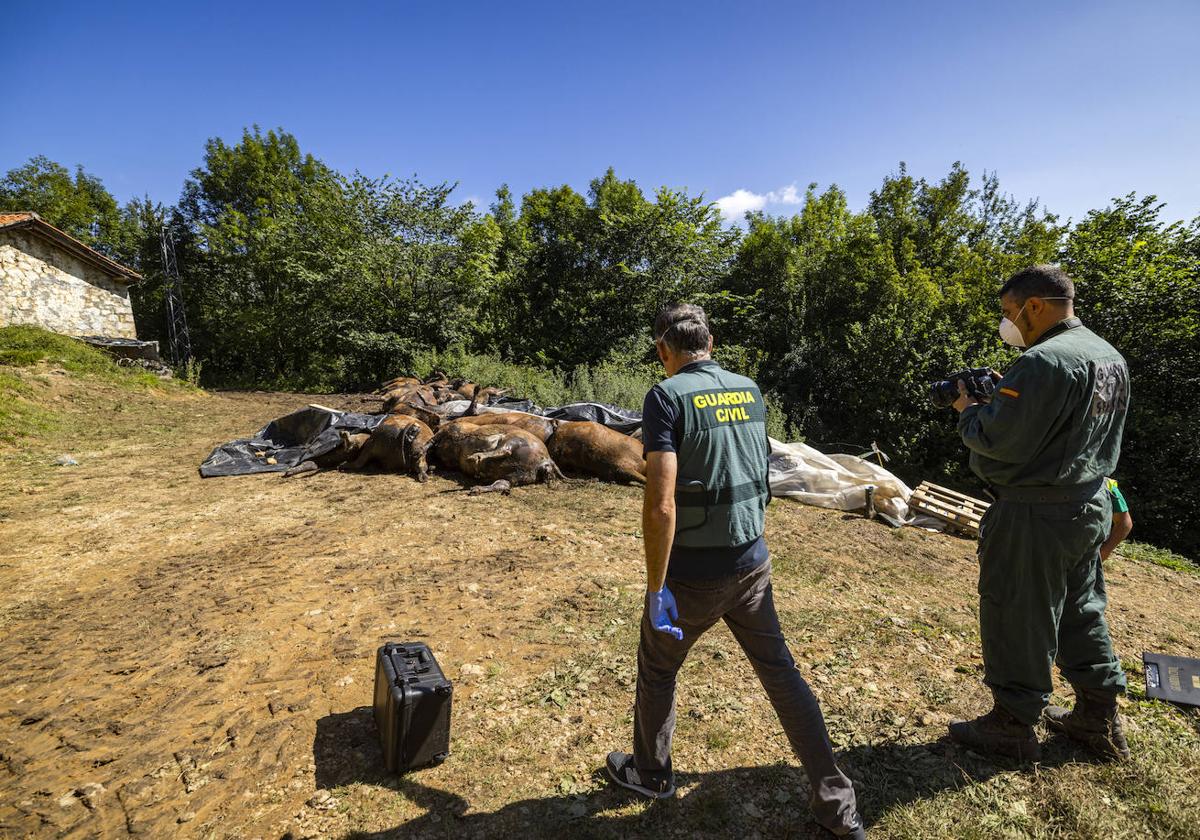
53	280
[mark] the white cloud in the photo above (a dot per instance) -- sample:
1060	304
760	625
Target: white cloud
732	206
739	202
788	195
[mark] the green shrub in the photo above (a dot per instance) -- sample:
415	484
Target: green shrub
542	386
191	372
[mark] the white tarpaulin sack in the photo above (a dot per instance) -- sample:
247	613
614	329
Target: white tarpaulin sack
797	471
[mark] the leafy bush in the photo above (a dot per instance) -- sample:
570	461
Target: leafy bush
542	386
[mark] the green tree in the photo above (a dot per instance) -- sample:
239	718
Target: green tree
297	274
140	249
78	205
1138	284
855	313
580	275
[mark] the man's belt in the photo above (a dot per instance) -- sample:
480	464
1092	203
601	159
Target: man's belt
1059	494
695	494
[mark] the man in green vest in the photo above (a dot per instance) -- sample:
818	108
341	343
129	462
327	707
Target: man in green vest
704	432
1045	444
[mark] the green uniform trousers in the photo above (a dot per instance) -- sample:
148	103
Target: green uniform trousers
1042	599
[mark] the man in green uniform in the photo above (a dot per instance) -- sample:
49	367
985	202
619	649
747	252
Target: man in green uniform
1045	444
705	437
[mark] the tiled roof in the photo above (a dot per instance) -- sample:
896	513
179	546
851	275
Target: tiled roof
63	240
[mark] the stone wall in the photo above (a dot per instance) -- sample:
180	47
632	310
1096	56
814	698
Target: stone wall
43	285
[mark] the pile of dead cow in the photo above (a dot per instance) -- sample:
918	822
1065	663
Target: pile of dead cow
449	424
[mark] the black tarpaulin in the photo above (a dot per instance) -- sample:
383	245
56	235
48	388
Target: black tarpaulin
287	441
622	419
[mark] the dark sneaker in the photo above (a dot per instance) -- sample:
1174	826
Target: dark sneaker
998	732
1094	722
654	785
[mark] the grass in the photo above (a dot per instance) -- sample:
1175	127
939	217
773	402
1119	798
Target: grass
26	346
17	412
883	624
27	353
1146	553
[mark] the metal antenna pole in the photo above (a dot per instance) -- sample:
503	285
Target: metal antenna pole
178	339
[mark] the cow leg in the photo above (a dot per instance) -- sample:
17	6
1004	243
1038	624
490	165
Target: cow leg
301	468
500	486
498	452
364	456
549	472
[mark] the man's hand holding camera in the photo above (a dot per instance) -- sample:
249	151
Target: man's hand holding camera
966	397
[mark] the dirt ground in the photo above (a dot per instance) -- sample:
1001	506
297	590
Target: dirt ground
188	657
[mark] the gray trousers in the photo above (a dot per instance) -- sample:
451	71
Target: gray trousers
746	605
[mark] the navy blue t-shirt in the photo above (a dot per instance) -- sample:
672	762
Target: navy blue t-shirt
661	428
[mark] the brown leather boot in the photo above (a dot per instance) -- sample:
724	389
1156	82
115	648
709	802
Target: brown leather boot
998	732
1094	722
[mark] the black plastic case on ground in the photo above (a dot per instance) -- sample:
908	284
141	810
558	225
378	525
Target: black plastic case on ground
412	706
1174	678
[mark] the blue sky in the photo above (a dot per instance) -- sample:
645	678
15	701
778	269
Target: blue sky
1071	102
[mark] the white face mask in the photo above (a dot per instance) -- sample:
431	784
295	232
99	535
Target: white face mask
1010	333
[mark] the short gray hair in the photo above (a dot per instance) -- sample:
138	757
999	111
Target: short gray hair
683	327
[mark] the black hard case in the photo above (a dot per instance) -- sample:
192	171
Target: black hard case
1173	678
412	706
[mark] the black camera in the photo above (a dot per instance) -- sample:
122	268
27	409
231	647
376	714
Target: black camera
979	382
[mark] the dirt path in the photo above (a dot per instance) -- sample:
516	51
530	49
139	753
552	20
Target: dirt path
194	657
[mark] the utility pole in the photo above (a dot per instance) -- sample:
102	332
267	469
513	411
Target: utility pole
179	341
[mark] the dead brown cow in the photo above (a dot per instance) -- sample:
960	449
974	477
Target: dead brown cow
445	394
346	449
470	391
595	449
541	427
419	395
508	457
398	444
431	415
398	382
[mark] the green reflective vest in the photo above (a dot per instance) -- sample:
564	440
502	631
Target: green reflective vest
721	492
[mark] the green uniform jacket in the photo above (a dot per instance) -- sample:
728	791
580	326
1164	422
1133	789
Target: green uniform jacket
1056	417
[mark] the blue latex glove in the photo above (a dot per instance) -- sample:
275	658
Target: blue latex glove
661	607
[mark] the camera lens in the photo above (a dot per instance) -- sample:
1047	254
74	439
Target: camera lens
943	393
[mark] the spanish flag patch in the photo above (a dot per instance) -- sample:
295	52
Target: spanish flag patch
1009	392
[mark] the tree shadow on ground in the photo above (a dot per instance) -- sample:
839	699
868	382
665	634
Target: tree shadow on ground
771	800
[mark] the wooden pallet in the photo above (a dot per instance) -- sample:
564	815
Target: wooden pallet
961	513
